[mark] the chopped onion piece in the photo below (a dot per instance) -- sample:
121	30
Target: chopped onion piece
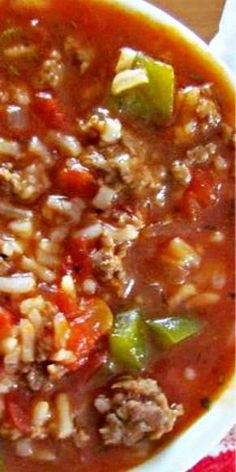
182	253
128	79
126	59
17	283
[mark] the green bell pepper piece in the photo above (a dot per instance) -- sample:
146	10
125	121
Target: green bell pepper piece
127	341
154	101
174	329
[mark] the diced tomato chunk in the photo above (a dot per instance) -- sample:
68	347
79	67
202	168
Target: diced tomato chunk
66	304
17	408
202	192
79	182
50	111
204	187
6	322
82	340
89	328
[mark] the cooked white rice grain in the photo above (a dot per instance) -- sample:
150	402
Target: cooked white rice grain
89	286
12	360
27	335
64	356
61	330
8	345
68	285
103	199
10	247
38	149
29	304
47	254
111	132
90	232
120	235
58	234
9	211
36	320
59	204
71	210
65	423
23	228
42	272
41	415
9	148
17	283
68	145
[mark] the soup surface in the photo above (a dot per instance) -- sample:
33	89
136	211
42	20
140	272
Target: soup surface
116	236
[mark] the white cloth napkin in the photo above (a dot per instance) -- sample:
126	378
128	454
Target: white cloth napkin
224	43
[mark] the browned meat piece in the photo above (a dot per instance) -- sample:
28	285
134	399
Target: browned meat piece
136	410
80	55
108	260
37	380
51	72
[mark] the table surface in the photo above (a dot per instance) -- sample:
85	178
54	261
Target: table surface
202	16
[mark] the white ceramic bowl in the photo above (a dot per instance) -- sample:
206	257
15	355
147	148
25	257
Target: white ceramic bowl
194	443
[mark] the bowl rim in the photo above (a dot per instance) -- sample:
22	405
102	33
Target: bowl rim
194	443
156	15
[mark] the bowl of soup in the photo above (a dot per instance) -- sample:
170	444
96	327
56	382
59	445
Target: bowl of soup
116	239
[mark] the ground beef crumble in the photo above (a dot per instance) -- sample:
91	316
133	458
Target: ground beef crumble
136	410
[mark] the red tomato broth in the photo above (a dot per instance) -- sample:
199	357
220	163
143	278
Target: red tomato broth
211	352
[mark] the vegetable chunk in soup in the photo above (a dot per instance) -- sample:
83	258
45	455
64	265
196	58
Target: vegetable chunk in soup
116	239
